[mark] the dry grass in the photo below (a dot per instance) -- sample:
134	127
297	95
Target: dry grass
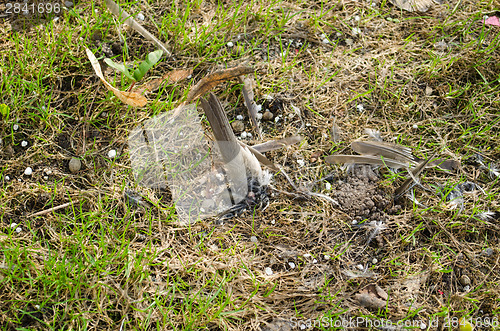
102	264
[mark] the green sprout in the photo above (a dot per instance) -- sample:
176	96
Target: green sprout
151	59
4	111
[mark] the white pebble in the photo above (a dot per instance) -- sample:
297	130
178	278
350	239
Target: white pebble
356	31
45	177
327	257
13	225
415	126
322	36
374	261
259	116
354	222
273	221
315	261
24	143
268	271
239	117
7	178
277	118
325	41
360	267
18	230
112	154
357	18
360	107
249	134
230	44
140	17
28	171
308	124
328	186
244	134
306	255
300	162
258	108
16	127
48	172
339	34
253	239
19	180
292	265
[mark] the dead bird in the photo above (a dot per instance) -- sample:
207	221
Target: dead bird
247	186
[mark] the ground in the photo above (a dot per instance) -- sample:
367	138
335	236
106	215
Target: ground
114	257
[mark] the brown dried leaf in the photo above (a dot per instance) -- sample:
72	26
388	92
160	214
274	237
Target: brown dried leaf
171	77
315	156
130	98
373	297
214	79
413	5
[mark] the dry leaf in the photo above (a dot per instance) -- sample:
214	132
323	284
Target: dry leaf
248	96
315	156
130	98
171	77
413	5
124	17
493	20
373	297
214	79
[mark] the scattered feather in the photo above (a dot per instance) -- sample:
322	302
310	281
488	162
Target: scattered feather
374	134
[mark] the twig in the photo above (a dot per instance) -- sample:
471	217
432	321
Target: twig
43	212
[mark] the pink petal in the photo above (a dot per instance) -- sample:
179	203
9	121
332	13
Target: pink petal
493	20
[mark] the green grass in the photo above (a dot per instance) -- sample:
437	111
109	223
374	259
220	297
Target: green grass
102	264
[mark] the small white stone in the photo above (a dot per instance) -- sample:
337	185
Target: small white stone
45	177
360	267
230	44
268	271
13	225
322	36
292	265
18	230
24	143
19	179
356	31
466	288
354	222
277	118
328	186
415	126
244	134
28	171
7	178
259	116
112	154
360	107
315	261
15	127
307	255
423	326
327	257
253	239
190	76
374	261
300	162
273	222
239	117
48	172
249	134
140	17
308	124
258	108
339	34
357	18
325	41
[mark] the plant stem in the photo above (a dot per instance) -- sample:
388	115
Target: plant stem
131	86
